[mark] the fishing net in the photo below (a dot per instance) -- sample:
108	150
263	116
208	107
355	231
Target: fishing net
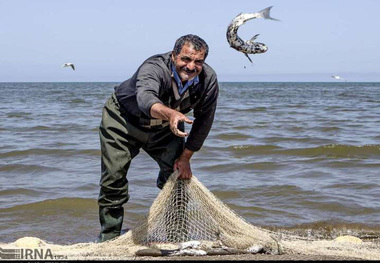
185	210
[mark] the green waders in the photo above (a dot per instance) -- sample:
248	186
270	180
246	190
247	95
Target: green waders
120	142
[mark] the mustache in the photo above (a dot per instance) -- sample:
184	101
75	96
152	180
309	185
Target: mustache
189	71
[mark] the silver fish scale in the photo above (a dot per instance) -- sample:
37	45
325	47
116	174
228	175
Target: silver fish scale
249	46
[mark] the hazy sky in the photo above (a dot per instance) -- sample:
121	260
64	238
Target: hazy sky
107	40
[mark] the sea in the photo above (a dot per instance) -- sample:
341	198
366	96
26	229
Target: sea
294	157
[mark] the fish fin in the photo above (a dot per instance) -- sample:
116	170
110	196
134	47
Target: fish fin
265	13
248	57
254	37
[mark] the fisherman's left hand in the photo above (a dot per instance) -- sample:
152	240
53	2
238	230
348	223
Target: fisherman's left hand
182	164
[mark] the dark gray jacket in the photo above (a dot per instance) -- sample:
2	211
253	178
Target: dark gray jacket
153	83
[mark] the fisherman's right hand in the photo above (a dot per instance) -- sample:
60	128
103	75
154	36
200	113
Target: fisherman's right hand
174	119
163	112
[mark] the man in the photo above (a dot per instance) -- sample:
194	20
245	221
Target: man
148	111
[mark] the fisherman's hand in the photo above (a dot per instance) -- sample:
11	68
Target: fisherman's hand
162	112
182	164
175	118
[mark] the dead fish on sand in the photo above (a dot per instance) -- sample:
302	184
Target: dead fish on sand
197	248
249	46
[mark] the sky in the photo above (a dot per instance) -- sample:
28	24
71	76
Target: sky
108	40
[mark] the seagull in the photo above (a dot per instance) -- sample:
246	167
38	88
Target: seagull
68	65
338	77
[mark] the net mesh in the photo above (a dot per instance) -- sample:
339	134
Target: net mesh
185	210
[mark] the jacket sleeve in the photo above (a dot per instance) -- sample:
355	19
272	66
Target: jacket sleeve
204	116
148	84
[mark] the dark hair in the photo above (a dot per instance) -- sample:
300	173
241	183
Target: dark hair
197	42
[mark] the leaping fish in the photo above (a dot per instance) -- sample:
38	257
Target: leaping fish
249	46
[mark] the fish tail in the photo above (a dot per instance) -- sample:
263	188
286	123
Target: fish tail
265	13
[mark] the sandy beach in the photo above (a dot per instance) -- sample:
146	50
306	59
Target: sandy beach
345	249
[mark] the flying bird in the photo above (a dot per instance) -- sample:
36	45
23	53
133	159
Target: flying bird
249	46
338	77
68	65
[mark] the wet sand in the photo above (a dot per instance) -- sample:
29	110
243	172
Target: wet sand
249	257
116	250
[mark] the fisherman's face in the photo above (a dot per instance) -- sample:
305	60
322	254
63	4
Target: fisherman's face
189	62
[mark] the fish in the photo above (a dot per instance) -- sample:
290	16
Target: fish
249	46
68	65
196	248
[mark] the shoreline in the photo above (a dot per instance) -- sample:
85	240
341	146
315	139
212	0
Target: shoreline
348	248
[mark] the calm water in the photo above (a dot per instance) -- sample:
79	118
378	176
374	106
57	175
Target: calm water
281	155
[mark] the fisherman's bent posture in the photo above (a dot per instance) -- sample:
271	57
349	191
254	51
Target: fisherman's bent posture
147	112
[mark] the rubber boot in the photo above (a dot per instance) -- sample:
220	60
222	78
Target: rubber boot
111	220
